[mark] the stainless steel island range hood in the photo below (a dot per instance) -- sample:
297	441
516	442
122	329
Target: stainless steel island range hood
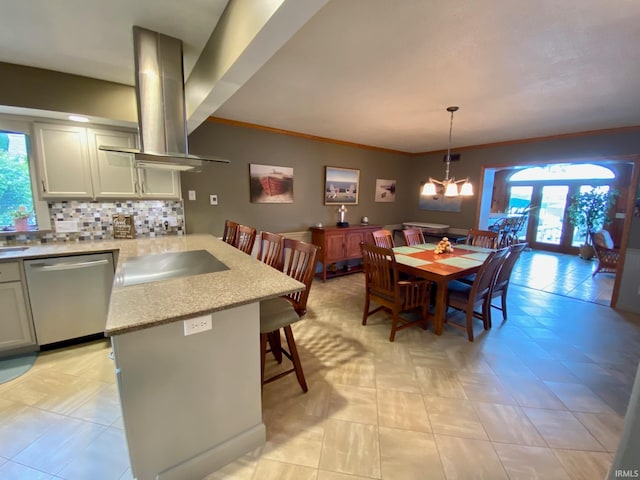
160	97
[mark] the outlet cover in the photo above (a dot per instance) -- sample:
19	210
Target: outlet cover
66	226
213	199
197	325
192	194
173	221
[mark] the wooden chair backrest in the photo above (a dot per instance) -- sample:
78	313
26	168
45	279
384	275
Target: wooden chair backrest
413	236
229	233
483	238
504	274
485	277
300	264
270	249
245	238
383	238
380	269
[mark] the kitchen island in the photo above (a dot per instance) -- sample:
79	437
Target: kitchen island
186	350
191	402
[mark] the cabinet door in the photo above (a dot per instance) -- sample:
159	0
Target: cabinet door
156	183
15	328
335	248
63	161
352	244
113	173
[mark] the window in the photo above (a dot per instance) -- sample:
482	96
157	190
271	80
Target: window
563	171
18	187
16	199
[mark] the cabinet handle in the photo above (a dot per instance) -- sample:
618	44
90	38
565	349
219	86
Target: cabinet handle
143	189
135	187
44	186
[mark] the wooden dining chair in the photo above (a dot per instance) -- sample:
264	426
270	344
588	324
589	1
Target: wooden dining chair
406	300
475	299
383	238
501	282
482	238
270	249
229	233
413	236
280	313
245	238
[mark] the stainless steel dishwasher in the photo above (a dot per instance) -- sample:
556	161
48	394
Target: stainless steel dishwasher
69	296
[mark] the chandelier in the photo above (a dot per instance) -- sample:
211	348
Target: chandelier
450	185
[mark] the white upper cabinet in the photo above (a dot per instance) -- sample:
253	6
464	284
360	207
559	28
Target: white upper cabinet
63	161
155	183
70	165
113	173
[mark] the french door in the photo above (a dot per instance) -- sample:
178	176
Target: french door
548	227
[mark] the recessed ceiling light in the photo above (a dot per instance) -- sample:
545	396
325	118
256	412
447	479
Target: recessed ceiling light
78	118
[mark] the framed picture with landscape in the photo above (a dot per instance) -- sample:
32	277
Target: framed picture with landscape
341	186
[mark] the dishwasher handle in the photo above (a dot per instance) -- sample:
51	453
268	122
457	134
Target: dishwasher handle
67	266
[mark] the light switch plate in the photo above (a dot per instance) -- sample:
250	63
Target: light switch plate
213	199
192	194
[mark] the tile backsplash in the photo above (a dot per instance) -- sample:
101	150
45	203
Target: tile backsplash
95	219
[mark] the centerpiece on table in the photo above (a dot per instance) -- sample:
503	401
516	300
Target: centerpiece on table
444	246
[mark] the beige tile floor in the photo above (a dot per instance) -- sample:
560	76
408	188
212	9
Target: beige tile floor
540	396
563	274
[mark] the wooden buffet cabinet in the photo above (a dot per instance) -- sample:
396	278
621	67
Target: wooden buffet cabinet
340	244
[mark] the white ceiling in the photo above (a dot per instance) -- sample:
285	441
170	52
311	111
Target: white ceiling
379	72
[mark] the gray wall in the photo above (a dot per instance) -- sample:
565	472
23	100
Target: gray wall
308	157
28	87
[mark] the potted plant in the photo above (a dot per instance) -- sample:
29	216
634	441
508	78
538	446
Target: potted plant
20	218
589	212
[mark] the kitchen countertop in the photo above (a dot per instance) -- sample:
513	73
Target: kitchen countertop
145	305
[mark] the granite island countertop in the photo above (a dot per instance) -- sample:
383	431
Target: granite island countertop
135	307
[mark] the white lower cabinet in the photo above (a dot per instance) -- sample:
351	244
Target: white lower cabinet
16	330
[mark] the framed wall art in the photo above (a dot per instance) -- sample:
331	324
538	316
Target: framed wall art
270	184
385	190
341	186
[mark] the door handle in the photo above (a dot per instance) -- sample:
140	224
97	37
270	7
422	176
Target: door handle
68	266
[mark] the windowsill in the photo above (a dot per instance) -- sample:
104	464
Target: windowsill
6	233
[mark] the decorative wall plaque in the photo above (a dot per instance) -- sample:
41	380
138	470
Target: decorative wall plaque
123	226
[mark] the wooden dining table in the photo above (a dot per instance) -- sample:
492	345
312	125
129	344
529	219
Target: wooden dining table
421	261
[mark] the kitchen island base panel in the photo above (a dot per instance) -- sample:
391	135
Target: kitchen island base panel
208	462
191	404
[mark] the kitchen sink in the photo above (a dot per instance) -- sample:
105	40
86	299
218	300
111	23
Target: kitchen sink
164	266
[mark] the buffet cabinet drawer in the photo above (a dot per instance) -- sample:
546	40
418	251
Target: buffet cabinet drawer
9	272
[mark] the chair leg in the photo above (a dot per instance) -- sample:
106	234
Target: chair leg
365	314
504	306
295	359
470	324
394	326
275	345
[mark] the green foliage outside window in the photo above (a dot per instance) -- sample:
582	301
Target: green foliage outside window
15	181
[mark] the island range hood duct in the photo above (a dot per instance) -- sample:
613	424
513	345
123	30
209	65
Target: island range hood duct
160	97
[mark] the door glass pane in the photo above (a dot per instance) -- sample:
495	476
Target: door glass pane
551	214
579	237
519	202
